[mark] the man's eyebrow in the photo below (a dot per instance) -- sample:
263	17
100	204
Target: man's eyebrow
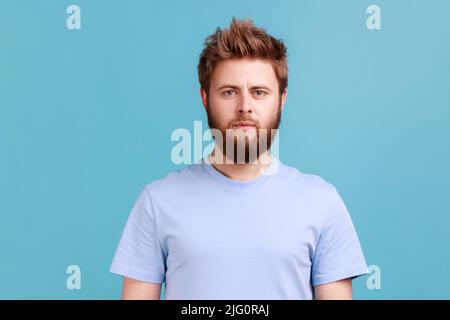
227	86
261	86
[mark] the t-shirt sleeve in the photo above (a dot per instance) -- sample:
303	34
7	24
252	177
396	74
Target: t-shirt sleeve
139	254
338	253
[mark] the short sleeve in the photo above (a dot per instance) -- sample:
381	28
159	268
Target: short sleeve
139	254
338	253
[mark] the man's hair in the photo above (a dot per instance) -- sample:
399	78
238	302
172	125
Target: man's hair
242	40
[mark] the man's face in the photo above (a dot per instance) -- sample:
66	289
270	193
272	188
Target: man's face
243	98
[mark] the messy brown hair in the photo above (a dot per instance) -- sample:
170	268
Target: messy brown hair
242	40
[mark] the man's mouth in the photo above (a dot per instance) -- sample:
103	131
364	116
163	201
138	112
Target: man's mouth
244	125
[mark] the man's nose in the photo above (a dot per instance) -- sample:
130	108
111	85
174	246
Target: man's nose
245	104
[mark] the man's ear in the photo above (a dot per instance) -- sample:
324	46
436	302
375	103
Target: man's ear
283	98
204	97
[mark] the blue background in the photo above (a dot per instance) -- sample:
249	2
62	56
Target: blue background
86	117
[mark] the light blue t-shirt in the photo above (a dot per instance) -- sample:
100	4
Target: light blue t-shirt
211	237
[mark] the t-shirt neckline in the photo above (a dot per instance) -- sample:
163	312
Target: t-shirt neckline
237	185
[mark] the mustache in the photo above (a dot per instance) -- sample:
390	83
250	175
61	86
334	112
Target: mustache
247	120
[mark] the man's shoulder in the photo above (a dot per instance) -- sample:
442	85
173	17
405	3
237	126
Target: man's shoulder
312	181
176	180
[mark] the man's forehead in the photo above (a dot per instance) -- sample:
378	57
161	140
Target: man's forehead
241	72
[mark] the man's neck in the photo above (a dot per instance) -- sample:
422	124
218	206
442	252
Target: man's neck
240	172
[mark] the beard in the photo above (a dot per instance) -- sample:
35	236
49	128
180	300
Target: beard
239	148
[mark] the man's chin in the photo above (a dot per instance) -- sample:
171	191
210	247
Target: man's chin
250	153
247	132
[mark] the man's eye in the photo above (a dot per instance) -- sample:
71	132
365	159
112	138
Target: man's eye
228	93
260	93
